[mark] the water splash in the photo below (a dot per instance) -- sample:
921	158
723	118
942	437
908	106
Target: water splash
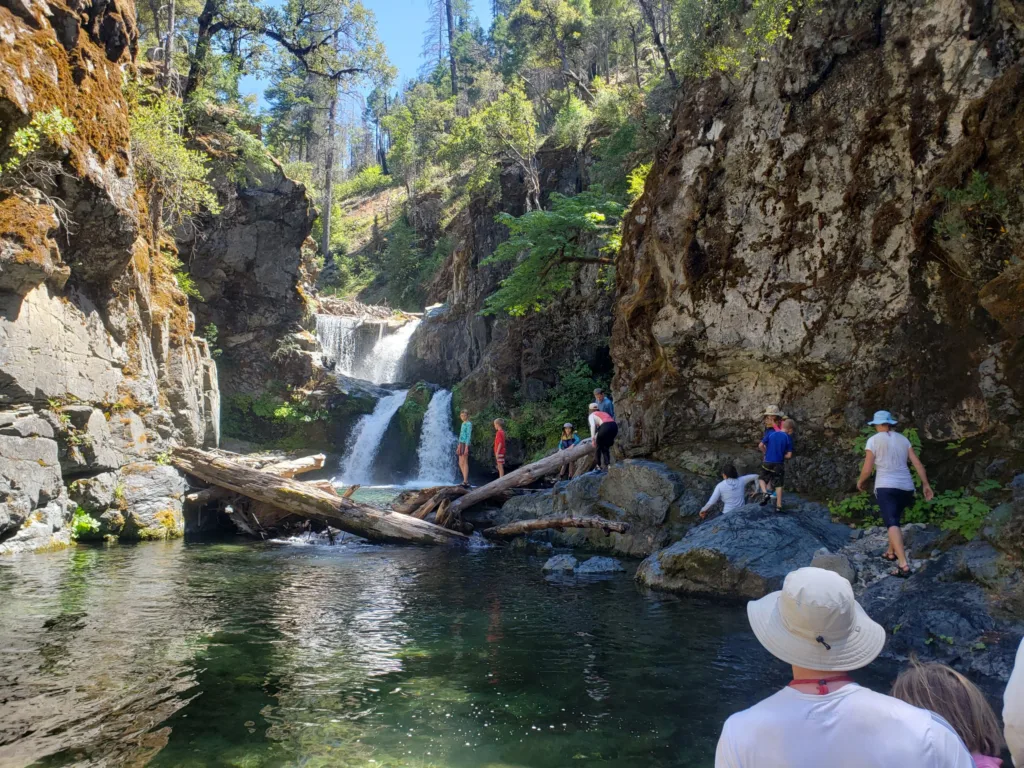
436	453
357	464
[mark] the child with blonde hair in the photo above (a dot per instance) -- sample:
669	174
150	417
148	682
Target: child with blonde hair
956	699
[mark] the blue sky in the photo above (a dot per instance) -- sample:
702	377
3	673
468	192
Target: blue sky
400	26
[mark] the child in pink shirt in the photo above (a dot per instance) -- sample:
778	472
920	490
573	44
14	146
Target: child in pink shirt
949	694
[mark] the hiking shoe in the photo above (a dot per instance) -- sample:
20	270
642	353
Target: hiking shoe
765	498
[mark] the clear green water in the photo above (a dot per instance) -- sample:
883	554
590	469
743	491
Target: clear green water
204	654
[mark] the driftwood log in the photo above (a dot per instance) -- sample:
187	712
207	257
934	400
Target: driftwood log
288	468
304	500
525	475
521	527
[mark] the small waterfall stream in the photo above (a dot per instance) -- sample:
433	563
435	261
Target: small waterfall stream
437	443
357	463
362	348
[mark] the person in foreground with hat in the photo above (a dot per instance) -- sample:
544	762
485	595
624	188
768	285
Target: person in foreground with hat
887	453
823	718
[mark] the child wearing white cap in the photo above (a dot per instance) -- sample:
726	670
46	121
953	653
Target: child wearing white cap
823	718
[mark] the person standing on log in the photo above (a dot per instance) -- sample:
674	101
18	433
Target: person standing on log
499	446
462	450
603	403
603	430
887	453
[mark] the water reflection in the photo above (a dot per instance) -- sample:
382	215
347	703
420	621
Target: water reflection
261	655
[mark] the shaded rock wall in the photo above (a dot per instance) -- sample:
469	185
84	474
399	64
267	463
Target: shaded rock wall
98	362
254	265
794	244
496	357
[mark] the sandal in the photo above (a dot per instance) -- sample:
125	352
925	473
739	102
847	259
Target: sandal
889	556
901	572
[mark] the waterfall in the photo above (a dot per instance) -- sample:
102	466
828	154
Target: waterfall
357	464
385	361
364	349
437	443
337	337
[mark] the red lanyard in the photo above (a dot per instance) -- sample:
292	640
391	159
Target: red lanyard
823	682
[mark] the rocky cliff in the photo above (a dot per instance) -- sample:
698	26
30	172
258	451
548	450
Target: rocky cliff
838	230
99	365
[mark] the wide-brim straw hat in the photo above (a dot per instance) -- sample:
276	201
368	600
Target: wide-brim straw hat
772	410
814	622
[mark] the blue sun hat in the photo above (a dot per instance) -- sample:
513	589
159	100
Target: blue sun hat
882	417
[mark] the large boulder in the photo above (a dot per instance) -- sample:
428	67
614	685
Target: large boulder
659	505
30	477
745	554
410	415
150	498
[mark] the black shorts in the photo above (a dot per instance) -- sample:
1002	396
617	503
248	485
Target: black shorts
774	473
893	502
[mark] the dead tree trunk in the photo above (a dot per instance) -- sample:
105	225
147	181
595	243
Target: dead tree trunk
521	527
306	501
522	476
289	468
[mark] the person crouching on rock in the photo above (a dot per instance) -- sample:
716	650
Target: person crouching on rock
568	439
946	692
603	430
887	453
732	491
499	446
462	451
823	718
777	447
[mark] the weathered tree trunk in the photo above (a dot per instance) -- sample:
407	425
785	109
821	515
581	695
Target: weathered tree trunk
289	468
521	527
325	214
306	501
523	476
645	6
451	45
169	47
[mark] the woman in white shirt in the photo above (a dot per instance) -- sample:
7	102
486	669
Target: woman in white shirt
732	491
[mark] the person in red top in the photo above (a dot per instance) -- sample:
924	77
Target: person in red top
499	445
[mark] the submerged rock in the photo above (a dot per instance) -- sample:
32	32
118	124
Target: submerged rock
561	564
745	554
600	565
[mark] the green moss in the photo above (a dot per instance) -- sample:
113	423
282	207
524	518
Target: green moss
410	415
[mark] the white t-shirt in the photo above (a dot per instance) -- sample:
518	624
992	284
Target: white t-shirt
1013	710
852	727
731	492
892	451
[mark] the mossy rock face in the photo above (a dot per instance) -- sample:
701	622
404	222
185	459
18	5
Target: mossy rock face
410	415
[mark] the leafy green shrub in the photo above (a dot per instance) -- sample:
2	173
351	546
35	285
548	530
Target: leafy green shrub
368	181
549	246
974	208
572	124
83	525
211	333
45	127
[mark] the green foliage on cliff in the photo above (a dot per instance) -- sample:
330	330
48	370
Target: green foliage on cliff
83	525
550	246
44	130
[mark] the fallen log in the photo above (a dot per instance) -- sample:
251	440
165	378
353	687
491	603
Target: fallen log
307	501
288	468
521	527
525	475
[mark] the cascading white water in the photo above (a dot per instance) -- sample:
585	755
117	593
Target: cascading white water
357	464
344	342
437	443
337	339
384	364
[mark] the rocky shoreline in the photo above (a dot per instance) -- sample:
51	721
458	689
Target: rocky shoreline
960	606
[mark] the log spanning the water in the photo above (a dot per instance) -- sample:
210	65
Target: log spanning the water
525	475
289	468
307	501
521	527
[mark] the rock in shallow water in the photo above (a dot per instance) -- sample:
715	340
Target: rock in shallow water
600	565
561	564
745	554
